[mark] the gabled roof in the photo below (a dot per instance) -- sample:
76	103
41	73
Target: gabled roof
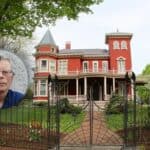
85	52
47	39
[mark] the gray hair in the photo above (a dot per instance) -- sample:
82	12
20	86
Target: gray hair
4	58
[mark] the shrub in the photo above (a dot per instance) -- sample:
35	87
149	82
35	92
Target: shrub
63	105
35	131
66	107
29	94
40	104
74	109
115	105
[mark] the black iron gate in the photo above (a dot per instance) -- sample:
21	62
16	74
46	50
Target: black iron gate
130	112
136	118
86	126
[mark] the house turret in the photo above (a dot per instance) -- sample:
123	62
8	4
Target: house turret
47	44
46	55
119	51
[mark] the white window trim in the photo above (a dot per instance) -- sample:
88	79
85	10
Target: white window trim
40	66
40	88
64	72
118	63
106	63
116	45
124	45
120	57
52	71
93	66
86	70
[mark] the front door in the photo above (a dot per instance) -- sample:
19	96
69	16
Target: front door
96	91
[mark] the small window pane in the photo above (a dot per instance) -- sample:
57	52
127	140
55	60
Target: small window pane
43	87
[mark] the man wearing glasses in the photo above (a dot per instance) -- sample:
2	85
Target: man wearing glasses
8	97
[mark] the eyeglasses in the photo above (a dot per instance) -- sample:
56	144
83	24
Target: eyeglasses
7	72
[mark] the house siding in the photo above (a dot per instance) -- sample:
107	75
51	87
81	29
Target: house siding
105	78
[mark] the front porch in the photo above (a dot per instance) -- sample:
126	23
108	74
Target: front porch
78	90
81	89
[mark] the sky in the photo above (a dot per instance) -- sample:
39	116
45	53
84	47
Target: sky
89	30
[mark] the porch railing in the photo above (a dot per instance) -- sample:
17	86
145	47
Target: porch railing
83	72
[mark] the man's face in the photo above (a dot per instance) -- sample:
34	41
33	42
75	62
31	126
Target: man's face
6	75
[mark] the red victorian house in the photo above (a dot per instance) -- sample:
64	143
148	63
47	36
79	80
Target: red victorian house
101	71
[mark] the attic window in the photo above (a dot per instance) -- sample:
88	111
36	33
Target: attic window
53	50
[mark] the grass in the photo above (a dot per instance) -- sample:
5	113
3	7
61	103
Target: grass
116	121
25	115
68	123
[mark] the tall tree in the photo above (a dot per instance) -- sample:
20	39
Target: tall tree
20	17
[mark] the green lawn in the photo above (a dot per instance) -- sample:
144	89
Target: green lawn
116	121
25	115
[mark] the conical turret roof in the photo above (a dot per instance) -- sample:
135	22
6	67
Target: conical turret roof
47	39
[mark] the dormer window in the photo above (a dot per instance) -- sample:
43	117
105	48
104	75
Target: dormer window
53	50
116	45
123	45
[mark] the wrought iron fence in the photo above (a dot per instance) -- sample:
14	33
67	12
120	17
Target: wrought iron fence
42	126
24	126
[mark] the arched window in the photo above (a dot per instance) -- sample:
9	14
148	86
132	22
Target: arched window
116	45
121	65
85	66
123	45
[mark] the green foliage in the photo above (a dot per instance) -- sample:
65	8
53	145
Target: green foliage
146	70
26	115
144	93
29	93
116	121
40	104
21	17
66	107
115	105
35	131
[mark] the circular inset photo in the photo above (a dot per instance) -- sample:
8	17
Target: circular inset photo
14	79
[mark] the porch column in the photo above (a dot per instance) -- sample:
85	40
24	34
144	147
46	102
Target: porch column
77	89
85	86
114	88
105	88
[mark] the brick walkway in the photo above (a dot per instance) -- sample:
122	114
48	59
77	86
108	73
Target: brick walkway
103	138
101	134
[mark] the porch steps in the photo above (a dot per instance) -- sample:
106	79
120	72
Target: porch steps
100	105
97	105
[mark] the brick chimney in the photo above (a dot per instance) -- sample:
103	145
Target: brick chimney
68	45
